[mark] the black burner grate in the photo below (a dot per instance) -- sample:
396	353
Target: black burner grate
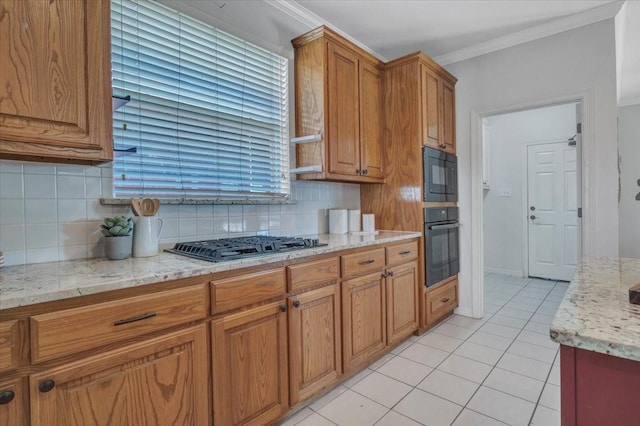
241	247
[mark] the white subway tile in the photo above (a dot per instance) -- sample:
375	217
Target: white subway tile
169	211
11	211
70	186
187	228
42	255
14	257
39	186
235	210
11	185
249	223
249	210
93	171
41	235
72	234
96	211
72	252
263	222
7	166
235	224
70	170
204	211
220	210
187	211
93	232
107	187
12	237
169	229
220	224
41	210
93	187
39	169
71	210
204	226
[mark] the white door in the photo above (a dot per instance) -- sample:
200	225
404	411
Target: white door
553	217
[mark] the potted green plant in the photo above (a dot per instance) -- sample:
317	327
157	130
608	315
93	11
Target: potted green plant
117	237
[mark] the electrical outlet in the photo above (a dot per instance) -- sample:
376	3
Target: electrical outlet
504	192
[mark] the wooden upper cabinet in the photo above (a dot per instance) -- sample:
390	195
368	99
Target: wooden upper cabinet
448	115
371	120
55	81
338	95
343	131
437	99
161	381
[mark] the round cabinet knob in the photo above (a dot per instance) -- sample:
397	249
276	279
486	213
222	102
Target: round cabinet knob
283	308
46	385
6	397
296	304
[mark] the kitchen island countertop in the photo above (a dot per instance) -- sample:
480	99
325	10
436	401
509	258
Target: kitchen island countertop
595	313
44	282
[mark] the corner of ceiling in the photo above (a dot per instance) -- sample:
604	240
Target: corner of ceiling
310	19
534	33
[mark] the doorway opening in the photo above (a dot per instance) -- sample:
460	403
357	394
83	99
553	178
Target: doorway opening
531	191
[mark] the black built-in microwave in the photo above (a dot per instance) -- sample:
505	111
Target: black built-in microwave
440	175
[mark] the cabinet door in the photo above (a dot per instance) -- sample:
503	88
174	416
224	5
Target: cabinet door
314	341
343	111
448	115
161	381
55	80
250	380
363	319
431	100
402	301
13	403
371	121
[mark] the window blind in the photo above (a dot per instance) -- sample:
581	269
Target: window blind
208	115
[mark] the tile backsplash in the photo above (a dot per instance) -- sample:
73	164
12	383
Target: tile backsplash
52	212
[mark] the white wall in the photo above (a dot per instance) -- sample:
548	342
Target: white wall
563	65
629	209
52	212
505	217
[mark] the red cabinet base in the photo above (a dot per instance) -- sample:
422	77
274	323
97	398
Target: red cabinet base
598	389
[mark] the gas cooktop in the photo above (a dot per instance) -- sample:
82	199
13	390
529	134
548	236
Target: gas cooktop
242	247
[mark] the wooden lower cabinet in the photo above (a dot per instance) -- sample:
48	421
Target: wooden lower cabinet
250	378
14	402
314	342
161	381
441	301
364	322
402	301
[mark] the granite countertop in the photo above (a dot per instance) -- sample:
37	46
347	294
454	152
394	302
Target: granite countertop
595	313
43	282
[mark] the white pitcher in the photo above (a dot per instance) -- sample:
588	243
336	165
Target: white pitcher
146	233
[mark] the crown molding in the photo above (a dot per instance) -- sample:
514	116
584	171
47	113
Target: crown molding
629	101
311	20
566	23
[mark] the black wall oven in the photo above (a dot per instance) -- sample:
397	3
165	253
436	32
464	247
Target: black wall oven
440	176
441	243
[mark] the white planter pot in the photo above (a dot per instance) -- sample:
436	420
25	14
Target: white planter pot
117	248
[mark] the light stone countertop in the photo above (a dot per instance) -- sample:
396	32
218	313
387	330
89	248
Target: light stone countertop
595	313
43	282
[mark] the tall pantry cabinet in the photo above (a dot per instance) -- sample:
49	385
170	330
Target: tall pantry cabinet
419	111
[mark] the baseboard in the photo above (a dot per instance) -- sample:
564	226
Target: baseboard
513	272
464	312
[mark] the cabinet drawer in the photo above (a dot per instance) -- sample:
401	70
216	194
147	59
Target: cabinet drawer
8	345
244	290
362	263
441	301
310	274
74	330
402	253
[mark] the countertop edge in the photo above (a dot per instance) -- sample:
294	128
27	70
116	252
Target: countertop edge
186	267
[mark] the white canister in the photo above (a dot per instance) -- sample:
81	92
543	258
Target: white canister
354	220
368	222
146	235
338	222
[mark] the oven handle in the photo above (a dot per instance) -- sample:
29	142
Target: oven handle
439	227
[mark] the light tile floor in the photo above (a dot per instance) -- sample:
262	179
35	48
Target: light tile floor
501	369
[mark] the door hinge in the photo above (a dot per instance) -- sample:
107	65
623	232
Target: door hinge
579	211
579	128
572	143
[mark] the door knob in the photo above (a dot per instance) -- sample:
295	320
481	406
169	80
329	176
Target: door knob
532	208
532	217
